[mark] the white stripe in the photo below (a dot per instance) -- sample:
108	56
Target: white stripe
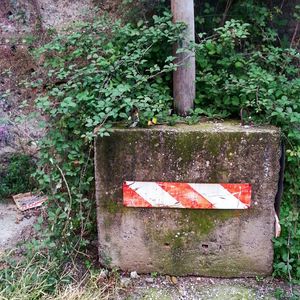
154	194
218	196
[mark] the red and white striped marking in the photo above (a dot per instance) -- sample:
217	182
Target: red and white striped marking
187	195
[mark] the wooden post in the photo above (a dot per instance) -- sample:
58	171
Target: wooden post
184	89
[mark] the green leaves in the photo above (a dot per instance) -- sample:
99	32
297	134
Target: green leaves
239	73
95	74
43	103
233	30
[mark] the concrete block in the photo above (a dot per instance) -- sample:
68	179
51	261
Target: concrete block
222	243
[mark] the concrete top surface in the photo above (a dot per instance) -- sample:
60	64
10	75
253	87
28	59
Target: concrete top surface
227	126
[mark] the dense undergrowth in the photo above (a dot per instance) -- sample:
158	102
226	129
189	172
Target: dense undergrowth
244	70
15	179
95	73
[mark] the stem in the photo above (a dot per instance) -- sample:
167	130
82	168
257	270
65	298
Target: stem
228	5
70	196
294	35
288	263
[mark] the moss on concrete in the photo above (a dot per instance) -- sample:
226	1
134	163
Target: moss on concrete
193	228
183	145
113	206
202	222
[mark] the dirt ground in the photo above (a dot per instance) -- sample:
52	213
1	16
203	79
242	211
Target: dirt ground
15	226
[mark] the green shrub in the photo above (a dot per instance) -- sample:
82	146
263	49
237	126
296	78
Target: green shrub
242	72
96	73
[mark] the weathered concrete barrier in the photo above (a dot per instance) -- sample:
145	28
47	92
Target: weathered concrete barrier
223	243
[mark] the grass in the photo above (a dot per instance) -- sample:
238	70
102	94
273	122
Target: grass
42	277
36	279
91	287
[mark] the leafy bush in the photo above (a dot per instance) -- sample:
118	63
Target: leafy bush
104	70
239	76
96	74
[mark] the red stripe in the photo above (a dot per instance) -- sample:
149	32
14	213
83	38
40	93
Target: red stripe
240	191
185	194
132	199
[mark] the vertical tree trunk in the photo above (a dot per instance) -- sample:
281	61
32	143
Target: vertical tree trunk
184	77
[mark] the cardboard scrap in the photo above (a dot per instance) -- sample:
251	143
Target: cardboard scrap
28	201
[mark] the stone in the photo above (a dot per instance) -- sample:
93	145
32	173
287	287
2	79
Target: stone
125	282
222	243
174	280
134	275
15	227
149	280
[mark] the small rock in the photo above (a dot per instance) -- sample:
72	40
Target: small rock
103	273
125	282
174	280
149	280
134	275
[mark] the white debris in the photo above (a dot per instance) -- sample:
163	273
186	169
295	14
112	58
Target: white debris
134	275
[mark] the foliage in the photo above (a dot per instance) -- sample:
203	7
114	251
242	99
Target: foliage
96	74
287	246
244	72
17	177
